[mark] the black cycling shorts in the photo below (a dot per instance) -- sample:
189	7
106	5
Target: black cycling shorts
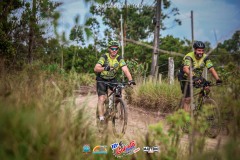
102	87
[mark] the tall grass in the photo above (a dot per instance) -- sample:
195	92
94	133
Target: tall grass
34	121
156	96
165	97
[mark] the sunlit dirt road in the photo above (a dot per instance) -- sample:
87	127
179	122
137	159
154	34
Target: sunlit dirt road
138	123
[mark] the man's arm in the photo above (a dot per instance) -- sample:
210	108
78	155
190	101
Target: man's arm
127	73
186	70
98	68
214	73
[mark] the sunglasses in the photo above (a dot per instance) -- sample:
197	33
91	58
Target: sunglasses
114	49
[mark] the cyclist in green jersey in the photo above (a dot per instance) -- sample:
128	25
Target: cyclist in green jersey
199	60
106	69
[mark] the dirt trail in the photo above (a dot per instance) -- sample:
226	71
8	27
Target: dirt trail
138	122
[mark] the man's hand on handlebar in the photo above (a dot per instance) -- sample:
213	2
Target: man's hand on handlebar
107	68
218	82
197	80
131	82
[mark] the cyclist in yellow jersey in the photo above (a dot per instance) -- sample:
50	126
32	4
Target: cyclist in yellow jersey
106	69
199	60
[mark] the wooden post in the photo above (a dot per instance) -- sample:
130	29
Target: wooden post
171	70
205	73
191	134
192	28
156	38
156	75
150	77
160	78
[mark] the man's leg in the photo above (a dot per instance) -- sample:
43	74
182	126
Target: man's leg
186	104
102	91
187	99
100	105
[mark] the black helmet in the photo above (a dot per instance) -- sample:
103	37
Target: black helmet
198	44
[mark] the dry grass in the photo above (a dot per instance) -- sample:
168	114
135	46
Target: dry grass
163	97
34	123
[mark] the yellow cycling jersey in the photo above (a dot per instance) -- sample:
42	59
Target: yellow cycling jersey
115	63
198	65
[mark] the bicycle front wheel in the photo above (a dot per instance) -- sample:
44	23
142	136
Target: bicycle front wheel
212	117
119	119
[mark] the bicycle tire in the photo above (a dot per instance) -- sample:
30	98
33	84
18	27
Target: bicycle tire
120	114
213	119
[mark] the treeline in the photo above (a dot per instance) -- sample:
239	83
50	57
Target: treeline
28	32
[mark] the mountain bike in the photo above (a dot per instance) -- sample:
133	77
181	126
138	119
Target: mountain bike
115	109
205	107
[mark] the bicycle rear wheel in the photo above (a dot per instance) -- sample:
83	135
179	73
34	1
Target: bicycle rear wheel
212	116
119	119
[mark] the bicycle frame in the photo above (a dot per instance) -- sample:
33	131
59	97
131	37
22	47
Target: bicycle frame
202	94
115	93
116	112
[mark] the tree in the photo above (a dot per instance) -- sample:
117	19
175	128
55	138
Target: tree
138	20
7	24
232	46
172	44
23	30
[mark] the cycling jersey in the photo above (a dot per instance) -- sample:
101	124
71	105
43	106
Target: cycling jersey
198	65
115	63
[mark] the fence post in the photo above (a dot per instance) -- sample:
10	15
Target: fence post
205	73
160	78
171	70
150	78
156	75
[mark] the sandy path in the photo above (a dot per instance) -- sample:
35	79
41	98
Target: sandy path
138	122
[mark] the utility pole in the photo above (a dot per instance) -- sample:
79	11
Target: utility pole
192	26
31	35
122	36
125	22
156	38
122	44
215	35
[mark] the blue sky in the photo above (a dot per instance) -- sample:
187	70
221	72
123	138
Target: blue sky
210	17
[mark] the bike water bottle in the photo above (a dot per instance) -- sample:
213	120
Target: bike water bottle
110	101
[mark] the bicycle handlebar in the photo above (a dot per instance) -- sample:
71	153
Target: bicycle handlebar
115	84
205	83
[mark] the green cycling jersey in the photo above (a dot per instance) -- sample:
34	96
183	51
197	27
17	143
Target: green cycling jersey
198	65
115	64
